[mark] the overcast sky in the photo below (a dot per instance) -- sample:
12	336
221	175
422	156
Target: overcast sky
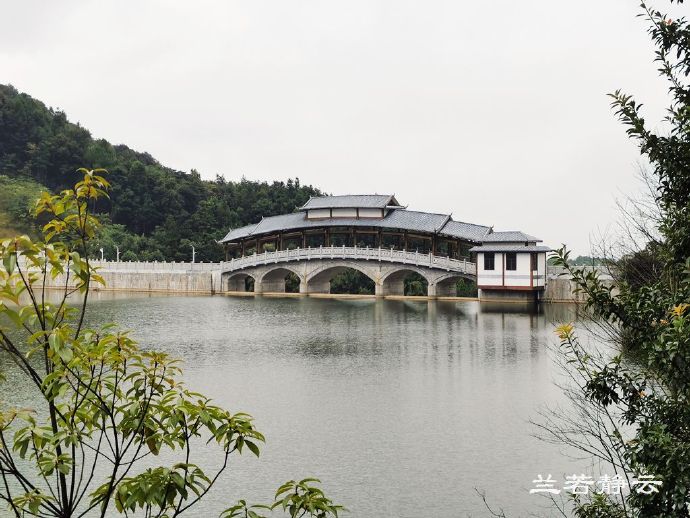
494	111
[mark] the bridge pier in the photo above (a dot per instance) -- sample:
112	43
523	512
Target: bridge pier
270	286
315	286
390	286
443	289
237	283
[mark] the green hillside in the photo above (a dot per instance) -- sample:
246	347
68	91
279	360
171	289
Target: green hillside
155	212
17	196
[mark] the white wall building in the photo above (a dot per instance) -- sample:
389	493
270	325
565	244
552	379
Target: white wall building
511	265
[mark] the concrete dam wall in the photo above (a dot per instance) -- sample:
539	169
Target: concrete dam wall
154	277
205	278
561	288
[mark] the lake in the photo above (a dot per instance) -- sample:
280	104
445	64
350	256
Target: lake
401	408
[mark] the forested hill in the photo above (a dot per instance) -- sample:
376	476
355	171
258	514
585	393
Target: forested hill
154	212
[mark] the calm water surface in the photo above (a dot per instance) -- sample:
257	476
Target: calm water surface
401	408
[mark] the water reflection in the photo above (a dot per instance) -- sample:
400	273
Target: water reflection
391	403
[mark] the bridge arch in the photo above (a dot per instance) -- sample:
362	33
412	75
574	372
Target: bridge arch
275	279
319	280
446	285
315	268
238	281
393	283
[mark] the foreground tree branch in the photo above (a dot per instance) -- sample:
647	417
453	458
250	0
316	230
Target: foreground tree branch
103	404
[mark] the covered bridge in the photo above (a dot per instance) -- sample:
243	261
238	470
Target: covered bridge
365	221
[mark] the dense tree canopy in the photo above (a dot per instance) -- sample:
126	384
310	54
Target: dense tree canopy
159	212
17	196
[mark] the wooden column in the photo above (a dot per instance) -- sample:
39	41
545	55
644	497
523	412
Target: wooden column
531	270
503	269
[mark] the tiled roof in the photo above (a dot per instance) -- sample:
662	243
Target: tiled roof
413	220
462	230
373	201
509	247
239	233
410	220
511	236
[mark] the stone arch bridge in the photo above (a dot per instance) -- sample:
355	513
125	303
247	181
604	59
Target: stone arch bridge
316	267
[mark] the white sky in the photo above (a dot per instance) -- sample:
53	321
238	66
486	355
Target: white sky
494	111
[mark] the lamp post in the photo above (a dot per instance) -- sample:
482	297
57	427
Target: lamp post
193	253
117	250
102	255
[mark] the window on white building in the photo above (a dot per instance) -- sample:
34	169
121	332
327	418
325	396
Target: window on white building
488	260
511	261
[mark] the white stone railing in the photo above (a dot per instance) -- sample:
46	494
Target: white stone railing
356	253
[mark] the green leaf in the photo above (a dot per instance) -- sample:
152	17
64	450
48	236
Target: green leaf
252	447
10	262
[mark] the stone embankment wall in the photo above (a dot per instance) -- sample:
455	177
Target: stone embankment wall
560	287
155	277
205	278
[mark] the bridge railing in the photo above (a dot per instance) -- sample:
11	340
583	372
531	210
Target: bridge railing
351	252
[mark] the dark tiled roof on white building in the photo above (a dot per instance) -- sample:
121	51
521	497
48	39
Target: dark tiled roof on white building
510	236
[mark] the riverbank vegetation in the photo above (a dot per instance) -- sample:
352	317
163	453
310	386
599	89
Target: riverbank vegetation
114	430
633	408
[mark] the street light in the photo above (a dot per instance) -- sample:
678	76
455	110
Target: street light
117	249
102	255
193	253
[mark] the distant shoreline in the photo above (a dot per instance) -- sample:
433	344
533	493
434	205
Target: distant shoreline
342	296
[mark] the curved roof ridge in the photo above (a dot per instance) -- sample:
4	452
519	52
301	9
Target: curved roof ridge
350	201
351	194
449	217
510	236
468	223
426	212
237	231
